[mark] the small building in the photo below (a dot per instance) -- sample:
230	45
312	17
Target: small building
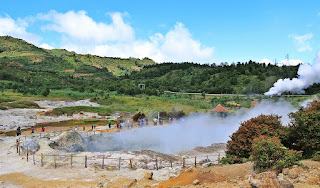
220	111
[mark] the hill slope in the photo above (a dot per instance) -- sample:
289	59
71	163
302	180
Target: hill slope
17	52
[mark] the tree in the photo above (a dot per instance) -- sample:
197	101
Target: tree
240	144
45	92
304	129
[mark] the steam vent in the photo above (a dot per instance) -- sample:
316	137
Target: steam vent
220	111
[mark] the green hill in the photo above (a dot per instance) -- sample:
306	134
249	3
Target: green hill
28	69
17	52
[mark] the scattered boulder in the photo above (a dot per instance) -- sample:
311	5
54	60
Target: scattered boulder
148	175
69	141
132	184
100	184
294	173
284	183
30	145
196	182
285	171
264	179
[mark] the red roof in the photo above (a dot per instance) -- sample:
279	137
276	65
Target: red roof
219	108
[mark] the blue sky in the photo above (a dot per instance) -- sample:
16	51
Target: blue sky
198	31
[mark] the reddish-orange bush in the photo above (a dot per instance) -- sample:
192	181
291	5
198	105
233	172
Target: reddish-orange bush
240	144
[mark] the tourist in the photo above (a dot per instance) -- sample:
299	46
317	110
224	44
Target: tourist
154	121
42	129
32	130
147	122
131	123
109	124
138	121
84	128
142	122
94	126
118	124
18	131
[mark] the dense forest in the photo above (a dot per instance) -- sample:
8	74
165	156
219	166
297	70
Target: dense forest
26	68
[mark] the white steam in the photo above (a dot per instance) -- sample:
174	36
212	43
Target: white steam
307	75
196	130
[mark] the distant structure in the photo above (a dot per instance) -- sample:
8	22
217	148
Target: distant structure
220	110
142	86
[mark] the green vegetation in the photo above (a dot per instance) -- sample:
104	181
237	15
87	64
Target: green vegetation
304	129
263	138
240	144
103	111
269	153
20	104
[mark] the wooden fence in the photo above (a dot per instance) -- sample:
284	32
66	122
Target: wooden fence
106	161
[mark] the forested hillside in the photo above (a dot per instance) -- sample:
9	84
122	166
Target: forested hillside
28	69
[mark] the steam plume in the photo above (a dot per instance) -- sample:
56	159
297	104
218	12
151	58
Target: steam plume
307	75
196	130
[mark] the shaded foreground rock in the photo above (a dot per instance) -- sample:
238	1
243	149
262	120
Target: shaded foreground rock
269	180
30	145
265	180
69	141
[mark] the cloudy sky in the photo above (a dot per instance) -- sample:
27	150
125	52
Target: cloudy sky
177	30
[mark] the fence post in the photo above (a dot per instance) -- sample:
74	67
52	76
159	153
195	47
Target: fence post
171	162
130	163
71	160
41	160
195	161
218	158
85	161
17	146
54	161
146	161
102	165
27	154
183	162
157	164
119	162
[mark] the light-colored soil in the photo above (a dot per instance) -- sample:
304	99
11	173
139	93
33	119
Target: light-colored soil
214	176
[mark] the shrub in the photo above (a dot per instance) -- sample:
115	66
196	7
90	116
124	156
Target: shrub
231	159
241	141
138	115
316	156
269	153
3	108
304	129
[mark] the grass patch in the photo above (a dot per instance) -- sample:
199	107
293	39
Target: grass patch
21	104
103	111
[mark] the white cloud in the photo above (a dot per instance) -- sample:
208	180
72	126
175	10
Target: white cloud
78	26
46	46
176	46
290	62
302	41
17	28
266	61
285	62
82	34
